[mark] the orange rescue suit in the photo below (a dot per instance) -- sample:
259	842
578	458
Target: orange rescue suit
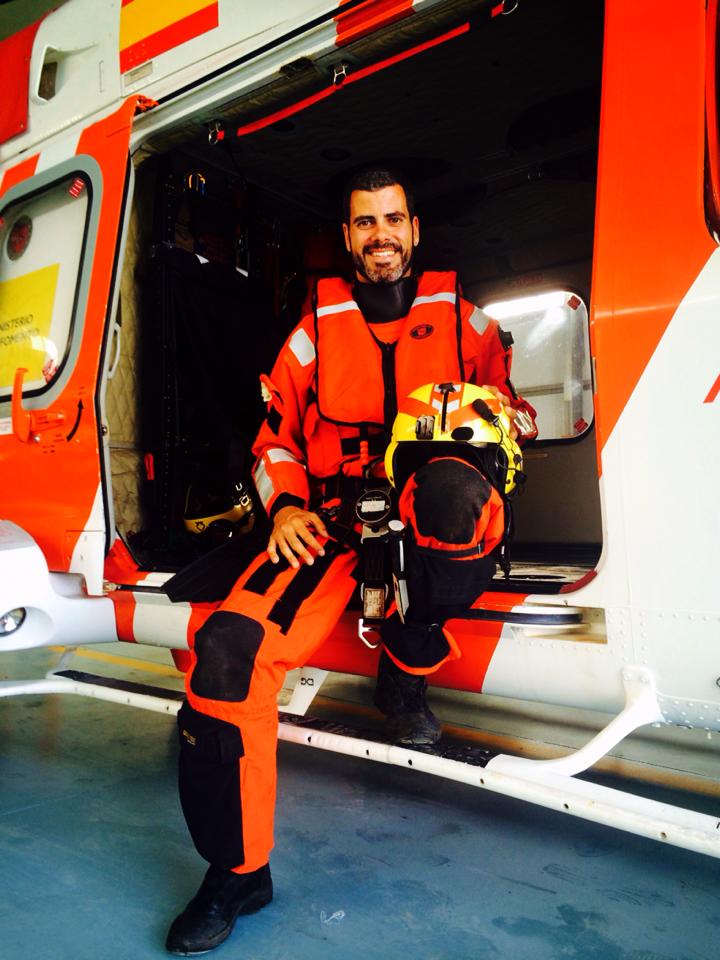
335	383
330	380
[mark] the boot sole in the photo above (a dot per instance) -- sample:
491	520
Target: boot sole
252	906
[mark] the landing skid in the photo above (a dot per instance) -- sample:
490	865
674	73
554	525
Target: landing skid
549	783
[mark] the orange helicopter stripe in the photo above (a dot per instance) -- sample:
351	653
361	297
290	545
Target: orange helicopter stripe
714	390
650	192
124	604
21	171
356	23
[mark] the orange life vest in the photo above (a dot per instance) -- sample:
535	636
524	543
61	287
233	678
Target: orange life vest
359	379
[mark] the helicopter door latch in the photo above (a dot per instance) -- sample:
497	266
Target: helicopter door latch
27	424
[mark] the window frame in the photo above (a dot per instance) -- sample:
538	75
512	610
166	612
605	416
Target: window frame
569	290
88	170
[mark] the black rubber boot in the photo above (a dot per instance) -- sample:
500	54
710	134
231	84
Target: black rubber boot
401	697
210	916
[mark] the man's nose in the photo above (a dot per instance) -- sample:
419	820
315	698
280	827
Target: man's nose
382	233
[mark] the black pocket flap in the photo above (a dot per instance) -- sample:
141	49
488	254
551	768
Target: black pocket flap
208	739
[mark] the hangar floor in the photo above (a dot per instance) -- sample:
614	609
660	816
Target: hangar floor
370	860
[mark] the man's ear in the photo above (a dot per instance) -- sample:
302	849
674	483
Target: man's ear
416	231
346	234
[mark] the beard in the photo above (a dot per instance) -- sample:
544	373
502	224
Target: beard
382	272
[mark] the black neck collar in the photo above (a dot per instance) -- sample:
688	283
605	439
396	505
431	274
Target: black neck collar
384	302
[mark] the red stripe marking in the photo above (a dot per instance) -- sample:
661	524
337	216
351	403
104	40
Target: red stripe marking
18	173
182	659
582	582
368	17
120	566
15	53
172	36
126	2
124	603
353	78
714	390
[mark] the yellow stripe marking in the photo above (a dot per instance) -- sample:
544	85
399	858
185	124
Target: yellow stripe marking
142	18
147	665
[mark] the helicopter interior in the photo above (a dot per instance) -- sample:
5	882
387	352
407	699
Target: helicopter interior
497	127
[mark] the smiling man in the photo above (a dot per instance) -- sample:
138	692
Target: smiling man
332	398
380	230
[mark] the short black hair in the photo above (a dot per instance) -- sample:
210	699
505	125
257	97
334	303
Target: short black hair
375	178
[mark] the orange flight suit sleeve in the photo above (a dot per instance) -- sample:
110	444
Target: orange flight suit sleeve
280	471
487	356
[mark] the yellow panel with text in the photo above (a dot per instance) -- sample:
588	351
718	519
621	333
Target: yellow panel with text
26	308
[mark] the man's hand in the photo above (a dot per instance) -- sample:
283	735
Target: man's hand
509	411
292	534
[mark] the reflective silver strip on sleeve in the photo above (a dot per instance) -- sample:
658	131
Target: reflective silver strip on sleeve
524	423
263	482
302	348
479	320
281	455
338	308
435	298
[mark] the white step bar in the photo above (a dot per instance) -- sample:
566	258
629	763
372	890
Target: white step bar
540	782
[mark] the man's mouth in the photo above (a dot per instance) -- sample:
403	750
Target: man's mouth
383	253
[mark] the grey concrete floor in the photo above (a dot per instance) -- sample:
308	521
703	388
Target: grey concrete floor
369	860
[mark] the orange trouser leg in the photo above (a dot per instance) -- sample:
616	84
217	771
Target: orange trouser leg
273	620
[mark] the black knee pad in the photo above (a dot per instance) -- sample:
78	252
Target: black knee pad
448	500
209	786
226	647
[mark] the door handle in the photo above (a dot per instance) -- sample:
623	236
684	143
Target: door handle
26	423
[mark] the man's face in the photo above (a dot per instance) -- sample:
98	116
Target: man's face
381	234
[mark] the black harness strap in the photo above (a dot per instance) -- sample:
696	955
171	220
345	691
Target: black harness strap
458	331
301	586
475	551
390	402
265	575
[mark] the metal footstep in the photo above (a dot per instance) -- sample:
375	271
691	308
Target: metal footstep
461	753
548	783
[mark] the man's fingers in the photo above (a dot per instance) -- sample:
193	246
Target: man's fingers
319	526
288	554
311	541
497	393
292	535
298	546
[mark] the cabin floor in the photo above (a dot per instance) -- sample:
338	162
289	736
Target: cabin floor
370	861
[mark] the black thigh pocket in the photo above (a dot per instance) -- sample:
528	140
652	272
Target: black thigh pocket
209	782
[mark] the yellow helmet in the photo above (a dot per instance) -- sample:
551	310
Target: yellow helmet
457	420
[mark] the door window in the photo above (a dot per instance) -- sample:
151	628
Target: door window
42	238
551	359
